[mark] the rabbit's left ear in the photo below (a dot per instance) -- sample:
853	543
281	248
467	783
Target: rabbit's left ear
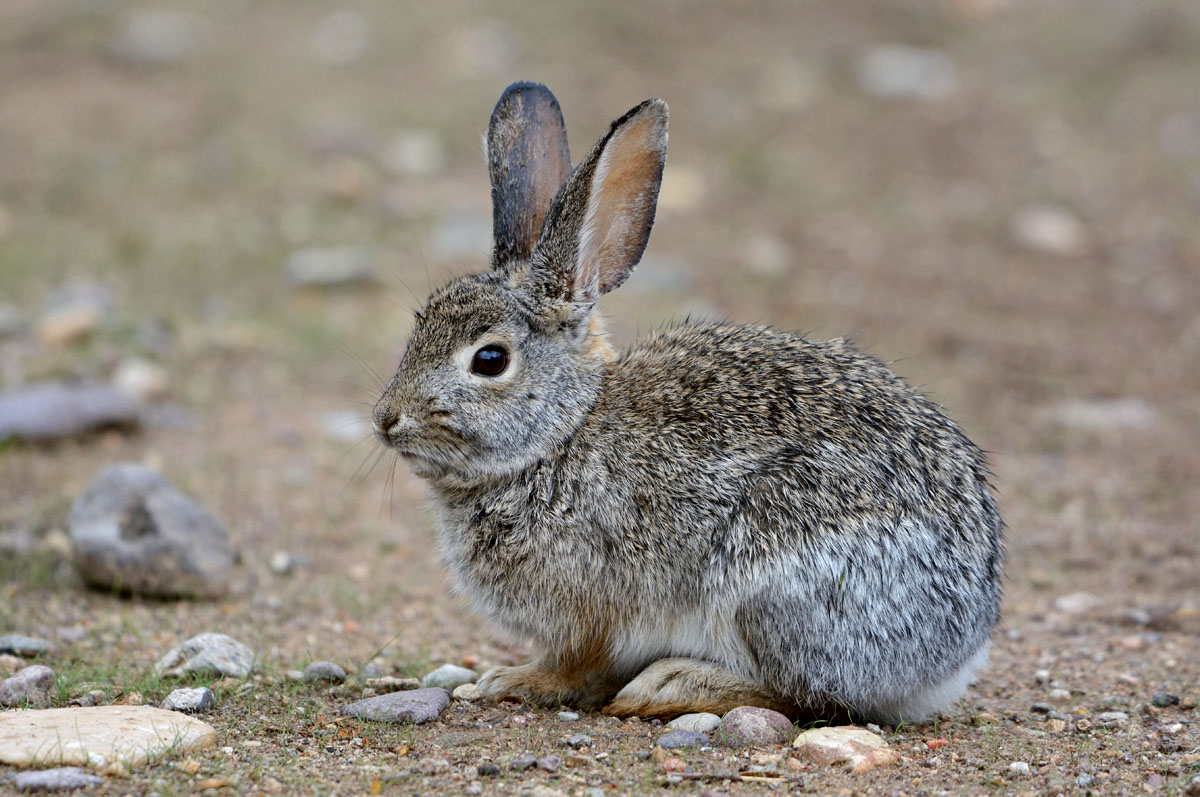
598	226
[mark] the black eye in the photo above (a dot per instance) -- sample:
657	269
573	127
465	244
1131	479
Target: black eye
489	361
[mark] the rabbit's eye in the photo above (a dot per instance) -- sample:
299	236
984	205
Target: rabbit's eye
489	361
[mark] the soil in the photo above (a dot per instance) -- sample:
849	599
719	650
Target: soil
179	182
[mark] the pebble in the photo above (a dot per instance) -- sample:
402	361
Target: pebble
449	676
207	653
1085	780
579	740
99	736
333	267
30	686
390	683
1042	676
488	769
747	726
549	763
1019	767
282	563
133	531
522	763
158	37
898	71
679	738
141	379
1059	694
1164	699
1049	229
468	693
57	779
194	701
18	645
324	671
1041	708
571	716
9	664
416	706
54	410
856	749
1109	719
697	723
94	697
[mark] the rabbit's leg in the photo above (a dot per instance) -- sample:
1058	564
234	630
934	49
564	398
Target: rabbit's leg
581	678
670	687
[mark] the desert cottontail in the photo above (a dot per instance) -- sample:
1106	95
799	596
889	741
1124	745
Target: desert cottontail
720	515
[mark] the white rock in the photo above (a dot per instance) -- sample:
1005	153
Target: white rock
697	723
1050	229
207	653
449	676
898	71
140	379
98	736
1019	767
468	693
858	750
194	701
57	779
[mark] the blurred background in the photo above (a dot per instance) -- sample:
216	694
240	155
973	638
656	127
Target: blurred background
229	209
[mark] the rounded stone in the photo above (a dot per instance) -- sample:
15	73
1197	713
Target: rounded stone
697	723
193	701
208	653
324	671
30	686
748	726
449	676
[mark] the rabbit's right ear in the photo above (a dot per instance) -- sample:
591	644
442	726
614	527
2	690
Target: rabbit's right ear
528	161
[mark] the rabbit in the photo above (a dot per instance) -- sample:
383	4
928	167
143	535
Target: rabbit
720	515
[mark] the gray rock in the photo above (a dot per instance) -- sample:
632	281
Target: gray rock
566	716
9	664
31	686
27	646
417	706
1041	708
1111	719
522	763
579	740
450	676
194	701
1085	779
207	653
747	726
53	410
549	763
324	671
132	531
697	723
332	267
901	72
1164	699
488	769
57	779
675	739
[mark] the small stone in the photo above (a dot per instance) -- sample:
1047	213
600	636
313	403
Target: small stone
579	740
468	693
330	267
858	750
140	379
324	671
282	563
747	726
1059	694
132	531
449	676
9	664
294	675
549	763
99	737
901	72
1056	724
487	769
1164	699
1041	708
567	716
697	723
676	739
52	411
30	686
207	653
1042	676
1050	230
1109	719
390	683
416	706
193	701
522	763
29	647
1084	780
57	779
1019	767
95	697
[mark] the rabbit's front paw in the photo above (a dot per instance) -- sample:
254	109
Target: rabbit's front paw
531	682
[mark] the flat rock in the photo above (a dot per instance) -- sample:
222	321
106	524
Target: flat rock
675	739
747	726
132	531
98	736
30	686
417	706
193	701
450	676
18	645
56	410
208	653
697	723
324	671
857	749
57	779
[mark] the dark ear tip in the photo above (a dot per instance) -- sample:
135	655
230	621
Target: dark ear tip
527	89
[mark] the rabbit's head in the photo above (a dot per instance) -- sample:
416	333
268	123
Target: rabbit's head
503	366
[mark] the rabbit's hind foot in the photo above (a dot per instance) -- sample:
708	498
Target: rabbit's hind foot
547	683
671	687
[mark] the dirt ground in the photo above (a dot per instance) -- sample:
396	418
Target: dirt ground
1019	233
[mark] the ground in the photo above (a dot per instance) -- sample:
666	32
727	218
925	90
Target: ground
1018	234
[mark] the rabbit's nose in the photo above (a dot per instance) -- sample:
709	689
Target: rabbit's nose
383	418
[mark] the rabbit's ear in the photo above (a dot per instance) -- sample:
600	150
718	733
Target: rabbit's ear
528	161
600	222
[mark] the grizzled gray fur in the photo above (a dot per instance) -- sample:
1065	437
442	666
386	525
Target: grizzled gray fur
721	515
